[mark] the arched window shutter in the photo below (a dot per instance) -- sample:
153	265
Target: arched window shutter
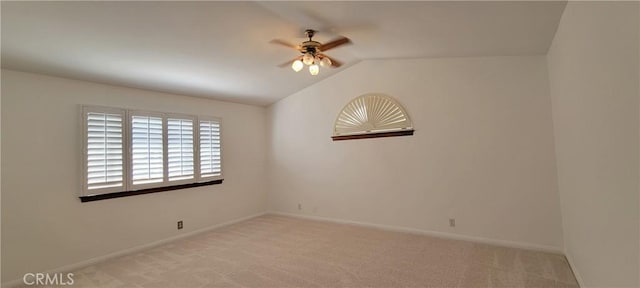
370	116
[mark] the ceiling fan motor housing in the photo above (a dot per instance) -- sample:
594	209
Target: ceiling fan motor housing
310	47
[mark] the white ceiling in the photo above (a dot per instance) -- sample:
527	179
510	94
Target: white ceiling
221	50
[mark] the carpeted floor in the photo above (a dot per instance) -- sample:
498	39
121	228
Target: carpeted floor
278	251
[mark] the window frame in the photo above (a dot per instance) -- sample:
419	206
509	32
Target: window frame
128	188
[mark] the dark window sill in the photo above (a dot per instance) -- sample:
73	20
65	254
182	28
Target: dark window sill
373	135
146	191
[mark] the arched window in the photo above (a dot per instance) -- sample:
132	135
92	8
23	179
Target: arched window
372	115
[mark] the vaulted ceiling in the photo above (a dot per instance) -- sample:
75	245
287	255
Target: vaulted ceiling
221	50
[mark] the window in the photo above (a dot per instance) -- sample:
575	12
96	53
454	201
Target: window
104	150
127	151
147	161
372	116
210	148
180	150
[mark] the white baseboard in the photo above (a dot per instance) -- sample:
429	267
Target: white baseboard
505	243
82	264
574	269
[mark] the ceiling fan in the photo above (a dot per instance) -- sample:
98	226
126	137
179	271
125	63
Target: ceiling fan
312	53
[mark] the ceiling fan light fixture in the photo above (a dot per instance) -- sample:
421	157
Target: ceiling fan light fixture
297	65
307	58
325	62
314	69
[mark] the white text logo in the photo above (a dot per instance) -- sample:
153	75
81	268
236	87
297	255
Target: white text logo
58	279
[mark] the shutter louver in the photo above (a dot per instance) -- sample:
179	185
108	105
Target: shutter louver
210	150
104	153
146	150
180	154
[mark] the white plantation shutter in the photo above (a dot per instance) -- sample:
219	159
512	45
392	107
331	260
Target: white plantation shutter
127	150
180	149
103	151
210	149
147	151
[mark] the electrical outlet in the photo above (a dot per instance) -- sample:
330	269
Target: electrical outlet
180	225
452	222
299	206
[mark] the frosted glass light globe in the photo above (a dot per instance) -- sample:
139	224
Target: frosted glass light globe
297	65
307	59
325	62
314	69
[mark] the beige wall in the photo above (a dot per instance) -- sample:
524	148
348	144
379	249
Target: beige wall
44	224
593	72
482	151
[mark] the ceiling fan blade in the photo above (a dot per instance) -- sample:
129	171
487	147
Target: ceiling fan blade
288	63
284	43
335	43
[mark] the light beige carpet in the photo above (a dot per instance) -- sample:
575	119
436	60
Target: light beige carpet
278	251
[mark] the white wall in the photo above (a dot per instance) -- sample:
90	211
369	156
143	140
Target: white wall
0	179
593	72
44	224
482	151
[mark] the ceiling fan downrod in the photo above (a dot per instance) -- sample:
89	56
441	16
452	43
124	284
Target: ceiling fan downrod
309	33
